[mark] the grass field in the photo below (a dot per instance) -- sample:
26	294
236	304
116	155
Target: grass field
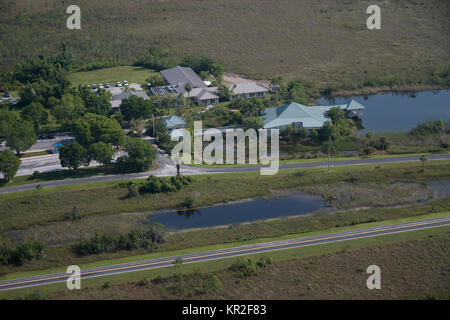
18	210
111	75
322	41
424	249
60	236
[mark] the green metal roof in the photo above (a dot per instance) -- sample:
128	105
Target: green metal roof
173	122
309	116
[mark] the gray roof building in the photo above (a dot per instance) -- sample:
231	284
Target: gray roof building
248	90
116	99
128	94
182	75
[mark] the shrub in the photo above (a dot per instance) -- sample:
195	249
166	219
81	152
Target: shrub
21	253
245	268
164	185
144	237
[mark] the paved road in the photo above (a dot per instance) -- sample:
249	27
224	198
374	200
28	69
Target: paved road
47	144
167	168
49	163
227	253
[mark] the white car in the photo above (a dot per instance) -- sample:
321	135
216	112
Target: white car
118	84
100	86
125	82
107	85
94	86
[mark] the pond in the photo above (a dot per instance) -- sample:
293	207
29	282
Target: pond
234	213
394	112
262	209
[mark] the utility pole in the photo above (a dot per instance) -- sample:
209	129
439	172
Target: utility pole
153	119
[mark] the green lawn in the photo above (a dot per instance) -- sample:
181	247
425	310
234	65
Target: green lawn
111	75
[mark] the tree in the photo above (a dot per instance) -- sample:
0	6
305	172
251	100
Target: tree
135	108
253	123
7	121
140	156
70	107
188	88
326	132
329	147
73	156
336	114
155	80
101	152
95	128
217	71
224	93
253	108
21	136
36	113
384	145
9	164
423	158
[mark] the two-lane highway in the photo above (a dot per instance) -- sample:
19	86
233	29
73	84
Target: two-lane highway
227	253
167	168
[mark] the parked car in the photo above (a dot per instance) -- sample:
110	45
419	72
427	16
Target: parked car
100	86
107	85
125	82
118	84
94	86
14	101
7	95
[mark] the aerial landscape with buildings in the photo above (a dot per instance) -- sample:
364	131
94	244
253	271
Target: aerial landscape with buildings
224	150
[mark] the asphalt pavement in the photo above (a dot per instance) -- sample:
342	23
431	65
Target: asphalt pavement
167	168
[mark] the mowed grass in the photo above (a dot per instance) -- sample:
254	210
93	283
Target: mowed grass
21	209
111	75
322	41
424	255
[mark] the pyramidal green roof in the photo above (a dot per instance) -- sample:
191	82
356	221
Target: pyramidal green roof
173	121
308	116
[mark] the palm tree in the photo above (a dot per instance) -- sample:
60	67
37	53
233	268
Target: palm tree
423	158
188	88
329	147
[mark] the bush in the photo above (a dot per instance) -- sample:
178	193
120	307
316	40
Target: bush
21	253
245	268
35	175
144	237
164	185
430	128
